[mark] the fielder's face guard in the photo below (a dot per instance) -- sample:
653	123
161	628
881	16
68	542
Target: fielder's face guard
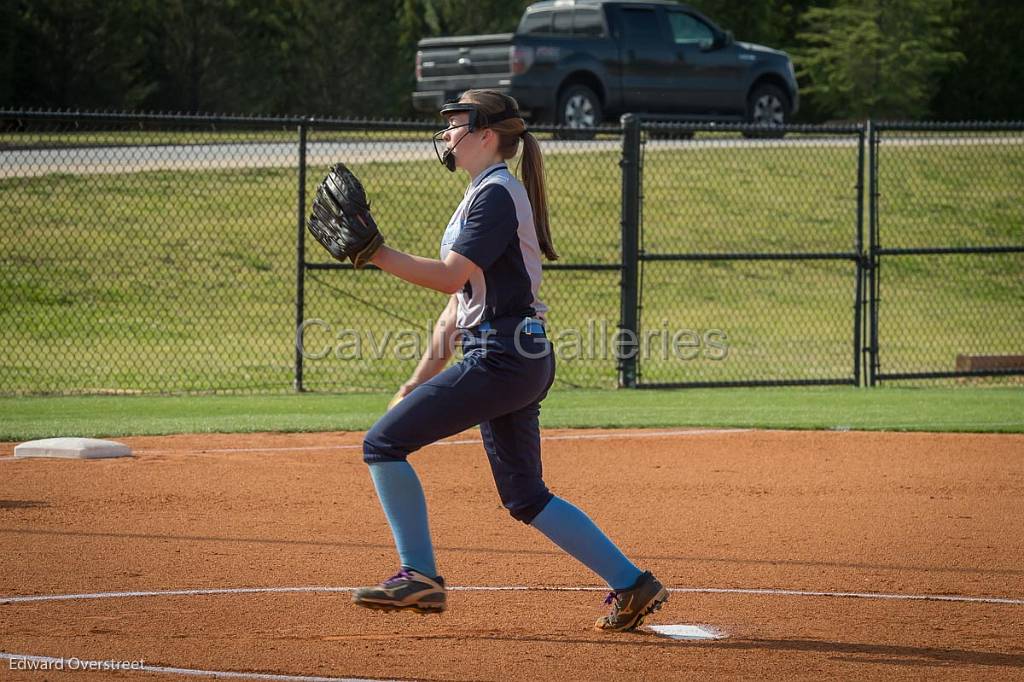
477	121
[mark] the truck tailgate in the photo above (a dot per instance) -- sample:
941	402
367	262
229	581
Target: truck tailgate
465	56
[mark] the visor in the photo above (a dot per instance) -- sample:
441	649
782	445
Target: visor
477	118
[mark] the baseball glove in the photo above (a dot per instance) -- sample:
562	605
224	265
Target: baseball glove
341	219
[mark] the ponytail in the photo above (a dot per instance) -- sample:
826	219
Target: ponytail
532	164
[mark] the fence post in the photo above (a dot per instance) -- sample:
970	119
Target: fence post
862	267
628	342
873	261
300	259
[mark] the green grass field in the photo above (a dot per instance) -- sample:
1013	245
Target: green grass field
899	409
184	281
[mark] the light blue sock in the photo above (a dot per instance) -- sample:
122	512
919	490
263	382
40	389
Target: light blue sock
401	496
572	530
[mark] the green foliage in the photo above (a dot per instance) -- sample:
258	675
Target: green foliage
71	53
986	84
465	17
354	58
771	22
878	58
253	56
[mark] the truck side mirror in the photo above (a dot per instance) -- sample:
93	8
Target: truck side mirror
719	41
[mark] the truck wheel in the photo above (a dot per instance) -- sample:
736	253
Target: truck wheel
767	105
578	107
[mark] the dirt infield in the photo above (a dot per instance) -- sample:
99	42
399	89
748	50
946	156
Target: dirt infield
895	518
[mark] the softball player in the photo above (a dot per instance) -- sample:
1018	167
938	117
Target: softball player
490	261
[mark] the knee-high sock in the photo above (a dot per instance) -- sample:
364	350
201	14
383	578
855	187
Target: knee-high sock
572	530
401	496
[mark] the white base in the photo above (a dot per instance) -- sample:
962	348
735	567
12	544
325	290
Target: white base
72	448
689	632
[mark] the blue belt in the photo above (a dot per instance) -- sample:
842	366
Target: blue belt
509	326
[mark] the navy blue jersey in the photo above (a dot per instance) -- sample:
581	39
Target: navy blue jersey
493	227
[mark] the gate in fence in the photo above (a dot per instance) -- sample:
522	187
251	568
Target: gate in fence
743	255
946	293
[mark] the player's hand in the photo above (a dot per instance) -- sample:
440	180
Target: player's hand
403	390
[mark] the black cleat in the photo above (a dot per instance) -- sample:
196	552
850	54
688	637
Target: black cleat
406	590
630	607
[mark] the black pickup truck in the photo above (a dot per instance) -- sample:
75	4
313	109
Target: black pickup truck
580	62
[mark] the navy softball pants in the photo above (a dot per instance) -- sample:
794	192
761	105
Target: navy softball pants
499	385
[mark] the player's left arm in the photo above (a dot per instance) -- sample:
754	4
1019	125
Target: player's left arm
448	275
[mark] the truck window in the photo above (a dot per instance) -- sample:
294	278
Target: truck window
640	26
535	22
588	22
689	30
562	24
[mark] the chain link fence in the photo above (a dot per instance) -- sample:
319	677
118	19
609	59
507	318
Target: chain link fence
167	253
947	248
750	254
148	253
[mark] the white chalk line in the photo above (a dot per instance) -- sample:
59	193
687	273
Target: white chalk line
21	599
87	665
192	672
464	441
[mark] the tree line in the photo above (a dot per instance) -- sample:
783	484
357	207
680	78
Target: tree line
916	59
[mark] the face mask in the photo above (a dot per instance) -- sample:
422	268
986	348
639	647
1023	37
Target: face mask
447	158
477	120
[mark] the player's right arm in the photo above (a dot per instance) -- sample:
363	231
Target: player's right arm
439	351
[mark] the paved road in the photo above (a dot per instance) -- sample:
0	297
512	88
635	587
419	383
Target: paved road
131	159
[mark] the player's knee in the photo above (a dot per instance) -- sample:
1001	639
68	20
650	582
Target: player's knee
374	455
377	447
523	495
527	512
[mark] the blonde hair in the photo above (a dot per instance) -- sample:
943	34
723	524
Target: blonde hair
510	132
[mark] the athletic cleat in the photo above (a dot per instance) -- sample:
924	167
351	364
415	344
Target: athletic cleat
630	607
406	590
